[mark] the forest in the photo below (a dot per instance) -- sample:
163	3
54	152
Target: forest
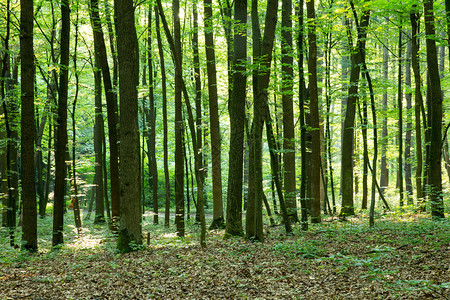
224	149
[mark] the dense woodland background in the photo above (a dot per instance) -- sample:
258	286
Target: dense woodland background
271	108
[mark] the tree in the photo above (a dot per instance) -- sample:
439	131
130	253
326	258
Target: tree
302	96
384	172
151	118
314	111
98	145
349	121
111	106
400	118
236	108
435	115
218	220
165	130
61	131
27	126
287	74
130	192
179	166
418	103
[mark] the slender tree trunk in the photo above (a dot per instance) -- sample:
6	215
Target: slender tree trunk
98	146
29	237
364	123
75	201
347	139
179	164
165	127
302	96
400	119
384	172
61	131
218	220
314	111
418	103
151	117
111	107
408	133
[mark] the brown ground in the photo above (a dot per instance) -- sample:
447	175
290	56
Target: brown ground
403	258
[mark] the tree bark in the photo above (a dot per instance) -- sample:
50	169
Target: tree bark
29	237
61	131
408	133
165	127
130	193
236	108
349	121
111	108
287	77
179	163
218	218
400	119
418	103
314	111
435	115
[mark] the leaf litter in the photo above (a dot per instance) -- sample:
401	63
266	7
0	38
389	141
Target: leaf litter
399	259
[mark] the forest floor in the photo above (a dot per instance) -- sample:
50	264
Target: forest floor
406	256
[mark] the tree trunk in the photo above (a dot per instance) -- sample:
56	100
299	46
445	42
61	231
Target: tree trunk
384	172
98	147
287	74
408	133
179	163
418	103
303	97
314	111
165	130
29	237
435	115
218	220
151	118
130	192
236	108
74	184
400	119
349	121
61	131
111	107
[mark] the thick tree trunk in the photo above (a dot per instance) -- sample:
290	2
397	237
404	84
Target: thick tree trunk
236	108
435	115
130	192
287	74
